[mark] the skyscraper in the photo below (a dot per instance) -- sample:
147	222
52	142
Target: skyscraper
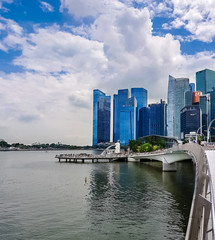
141	96
190	119
128	121
101	117
144	117
158	119
205	81
176	101
118	102
205	106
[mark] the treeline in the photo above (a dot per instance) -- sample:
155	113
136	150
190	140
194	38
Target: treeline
37	146
147	144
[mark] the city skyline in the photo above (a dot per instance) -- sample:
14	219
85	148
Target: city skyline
54	53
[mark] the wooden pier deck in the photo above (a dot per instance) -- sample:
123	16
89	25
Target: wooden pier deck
75	158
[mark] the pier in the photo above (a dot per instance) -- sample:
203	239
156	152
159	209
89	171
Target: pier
83	157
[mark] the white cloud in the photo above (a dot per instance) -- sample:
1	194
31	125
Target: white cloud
13	32
198	17
85	8
46	7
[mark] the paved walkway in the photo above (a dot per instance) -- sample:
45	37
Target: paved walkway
211	161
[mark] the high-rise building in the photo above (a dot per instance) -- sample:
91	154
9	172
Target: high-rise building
118	102
191	120
188	98
212	115
101	117
128	121
141	96
123	110
176	101
144	116
205	106
158	119
205	81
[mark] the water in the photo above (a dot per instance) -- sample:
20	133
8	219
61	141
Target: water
43	199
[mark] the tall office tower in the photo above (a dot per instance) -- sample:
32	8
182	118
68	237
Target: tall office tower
205	81
144	116
176	101
141	96
158	119
190	120
101	117
188	98
212	98
205	106
128	121
118	102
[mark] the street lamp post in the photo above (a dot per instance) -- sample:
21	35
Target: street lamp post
197	132
208	131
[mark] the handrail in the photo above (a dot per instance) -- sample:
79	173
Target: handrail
201	221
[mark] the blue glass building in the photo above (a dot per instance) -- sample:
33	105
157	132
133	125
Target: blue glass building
158	119
101	117
144	117
176	101
118	102
141	96
212	116
190	120
205	81
128	121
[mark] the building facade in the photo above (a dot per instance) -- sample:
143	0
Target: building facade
141	96
101	117
205	81
158	119
177	87
191	120
144	117
127	118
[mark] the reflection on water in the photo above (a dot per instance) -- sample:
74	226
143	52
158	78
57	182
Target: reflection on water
43	199
140	201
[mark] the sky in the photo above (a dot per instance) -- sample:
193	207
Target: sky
54	53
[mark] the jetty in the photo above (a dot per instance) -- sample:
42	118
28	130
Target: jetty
83	157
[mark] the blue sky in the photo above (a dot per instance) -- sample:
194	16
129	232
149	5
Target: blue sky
54	53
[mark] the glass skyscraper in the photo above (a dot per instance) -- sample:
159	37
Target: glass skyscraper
118	102
158	119
205	106
125	123
212	100
141	96
101	117
128	121
205	81
144	116
176	101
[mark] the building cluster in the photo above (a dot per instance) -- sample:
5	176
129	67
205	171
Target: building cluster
188	110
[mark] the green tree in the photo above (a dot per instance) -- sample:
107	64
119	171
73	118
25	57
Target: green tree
147	147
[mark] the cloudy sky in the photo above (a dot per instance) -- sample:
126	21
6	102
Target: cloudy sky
54	53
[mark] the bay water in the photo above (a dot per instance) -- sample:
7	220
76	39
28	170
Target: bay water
41	198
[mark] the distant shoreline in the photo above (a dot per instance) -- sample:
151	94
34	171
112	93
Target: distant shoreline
45	150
